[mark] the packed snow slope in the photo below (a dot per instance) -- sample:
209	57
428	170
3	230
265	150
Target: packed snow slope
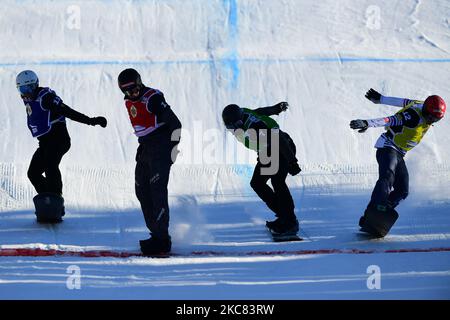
321	57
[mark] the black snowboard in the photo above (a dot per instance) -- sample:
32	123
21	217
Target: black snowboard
377	222
285	237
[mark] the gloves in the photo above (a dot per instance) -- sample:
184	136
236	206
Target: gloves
362	125
283	106
101	121
373	96
294	169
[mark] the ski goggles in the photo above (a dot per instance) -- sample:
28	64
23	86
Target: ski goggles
431	118
27	89
131	90
235	125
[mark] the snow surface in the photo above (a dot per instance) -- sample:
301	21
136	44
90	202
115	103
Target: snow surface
321	57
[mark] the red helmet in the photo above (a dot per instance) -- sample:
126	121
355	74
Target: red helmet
434	107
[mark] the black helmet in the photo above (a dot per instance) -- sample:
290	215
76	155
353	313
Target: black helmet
232	116
130	82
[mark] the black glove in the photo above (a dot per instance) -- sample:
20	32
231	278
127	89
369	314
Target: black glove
101	121
362	125
283	106
294	169
373	96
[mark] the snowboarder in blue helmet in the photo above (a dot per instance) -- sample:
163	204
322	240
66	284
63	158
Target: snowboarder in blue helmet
276	159
46	119
404	131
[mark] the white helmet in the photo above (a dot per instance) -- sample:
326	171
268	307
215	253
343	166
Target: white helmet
27	82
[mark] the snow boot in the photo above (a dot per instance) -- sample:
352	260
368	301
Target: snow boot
155	246
283	226
271	224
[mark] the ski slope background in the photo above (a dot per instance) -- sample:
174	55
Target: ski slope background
321	57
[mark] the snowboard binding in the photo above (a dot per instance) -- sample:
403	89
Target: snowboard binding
49	207
282	233
284	237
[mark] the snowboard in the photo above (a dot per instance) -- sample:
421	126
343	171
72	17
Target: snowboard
377	222
284	237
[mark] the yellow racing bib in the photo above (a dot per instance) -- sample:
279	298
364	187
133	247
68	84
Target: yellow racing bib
406	137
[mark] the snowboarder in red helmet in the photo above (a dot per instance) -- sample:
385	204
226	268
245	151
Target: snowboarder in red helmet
404	131
434	108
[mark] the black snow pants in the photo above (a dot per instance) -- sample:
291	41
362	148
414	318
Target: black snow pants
393	182
278	198
52	147
153	163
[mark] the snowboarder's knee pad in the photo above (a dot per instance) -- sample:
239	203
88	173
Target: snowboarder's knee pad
49	207
379	221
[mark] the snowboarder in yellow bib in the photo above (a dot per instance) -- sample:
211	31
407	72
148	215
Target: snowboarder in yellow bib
276	159
404	131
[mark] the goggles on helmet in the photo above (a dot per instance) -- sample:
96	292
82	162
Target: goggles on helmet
27	89
235	125
131	89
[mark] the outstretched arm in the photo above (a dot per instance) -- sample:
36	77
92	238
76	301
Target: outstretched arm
409	118
54	103
363	125
272	110
79	117
378	98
